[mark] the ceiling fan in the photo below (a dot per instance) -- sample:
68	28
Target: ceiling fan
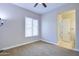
41	3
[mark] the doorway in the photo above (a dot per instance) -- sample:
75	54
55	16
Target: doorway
66	29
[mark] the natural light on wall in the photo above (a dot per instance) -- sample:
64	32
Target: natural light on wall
4	15
31	27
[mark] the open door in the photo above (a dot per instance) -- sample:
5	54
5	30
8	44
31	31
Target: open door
66	29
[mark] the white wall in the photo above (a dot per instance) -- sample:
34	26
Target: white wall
12	32
49	23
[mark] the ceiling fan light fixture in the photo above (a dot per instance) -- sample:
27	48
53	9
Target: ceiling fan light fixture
40	3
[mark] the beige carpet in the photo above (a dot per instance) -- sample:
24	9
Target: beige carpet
39	49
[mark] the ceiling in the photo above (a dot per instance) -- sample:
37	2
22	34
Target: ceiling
39	8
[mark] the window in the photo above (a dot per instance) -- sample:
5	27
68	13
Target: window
31	27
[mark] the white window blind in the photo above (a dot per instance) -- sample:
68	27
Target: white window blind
31	27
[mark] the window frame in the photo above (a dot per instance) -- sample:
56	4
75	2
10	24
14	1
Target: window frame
32	28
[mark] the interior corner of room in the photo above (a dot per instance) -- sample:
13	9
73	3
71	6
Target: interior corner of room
56	24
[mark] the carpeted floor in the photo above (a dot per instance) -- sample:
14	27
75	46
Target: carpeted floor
39	48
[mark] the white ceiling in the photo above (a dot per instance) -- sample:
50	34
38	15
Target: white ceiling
39	8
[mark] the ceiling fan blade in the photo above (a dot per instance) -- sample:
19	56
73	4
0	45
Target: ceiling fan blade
44	4
35	4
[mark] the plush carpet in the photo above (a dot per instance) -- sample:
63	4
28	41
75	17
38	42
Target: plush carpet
39	48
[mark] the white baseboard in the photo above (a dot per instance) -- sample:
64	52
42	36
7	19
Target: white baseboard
48	42
76	50
18	45
56	44
31	42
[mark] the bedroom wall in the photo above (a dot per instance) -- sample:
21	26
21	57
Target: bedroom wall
49	23
12	33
